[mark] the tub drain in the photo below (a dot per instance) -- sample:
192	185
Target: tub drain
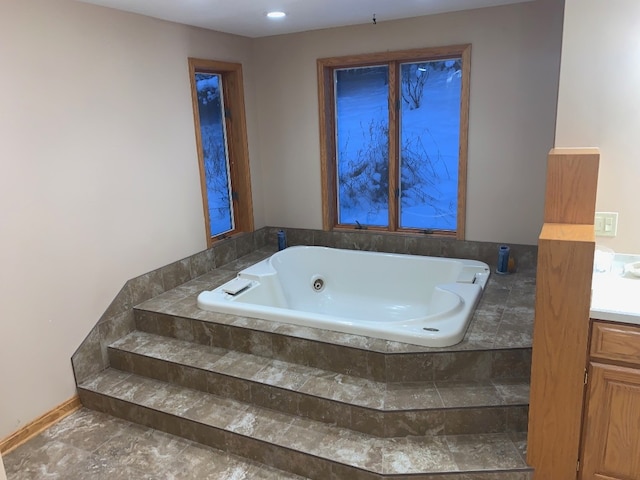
318	284
431	329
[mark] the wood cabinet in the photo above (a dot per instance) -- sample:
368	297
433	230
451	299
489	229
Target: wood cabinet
611	427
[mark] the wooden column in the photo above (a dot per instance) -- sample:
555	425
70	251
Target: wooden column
561	328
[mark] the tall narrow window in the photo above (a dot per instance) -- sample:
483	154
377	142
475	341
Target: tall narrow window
394	140
222	147
362	135
429	144
215	152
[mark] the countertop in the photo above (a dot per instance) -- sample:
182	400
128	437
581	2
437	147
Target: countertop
615	295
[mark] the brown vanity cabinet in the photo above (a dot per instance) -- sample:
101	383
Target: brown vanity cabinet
611	425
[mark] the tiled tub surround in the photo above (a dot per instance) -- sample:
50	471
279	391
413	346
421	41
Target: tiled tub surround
316	403
91	356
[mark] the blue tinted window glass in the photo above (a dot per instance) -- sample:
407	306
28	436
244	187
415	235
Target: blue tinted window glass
362	141
430	144
215	152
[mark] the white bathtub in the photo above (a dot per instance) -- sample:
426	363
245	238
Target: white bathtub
421	300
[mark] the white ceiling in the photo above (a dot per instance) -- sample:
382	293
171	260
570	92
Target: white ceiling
248	17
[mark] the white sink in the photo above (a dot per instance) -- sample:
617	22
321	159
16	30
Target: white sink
615	295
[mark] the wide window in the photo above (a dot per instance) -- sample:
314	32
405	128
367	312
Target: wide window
394	140
219	117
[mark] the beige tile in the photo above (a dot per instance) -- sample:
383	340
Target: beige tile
336	386
152	452
417	455
305	434
411	395
212	333
511	363
367	421
518	418
514	391
186	307
323	410
228	387
261	424
187	376
215	411
519	439
173	399
275	398
353	448
283	374
239	364
105	380
414	367
415	423
468	394
176	273
40	459
87	359
459	421
484	452
462	366
133	341
146	286
250	341
85	429
176	327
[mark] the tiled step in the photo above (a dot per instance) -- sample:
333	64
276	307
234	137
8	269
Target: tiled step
300	445
376	408
374	359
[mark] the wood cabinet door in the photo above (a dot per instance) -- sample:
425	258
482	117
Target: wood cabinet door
611	442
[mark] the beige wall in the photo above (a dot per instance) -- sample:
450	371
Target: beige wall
99	180
3	475
599	103
514	81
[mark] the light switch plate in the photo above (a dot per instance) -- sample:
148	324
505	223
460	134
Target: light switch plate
606	224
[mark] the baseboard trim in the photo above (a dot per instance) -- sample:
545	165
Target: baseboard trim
41	423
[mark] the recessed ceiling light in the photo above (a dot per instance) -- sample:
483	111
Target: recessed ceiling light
276	14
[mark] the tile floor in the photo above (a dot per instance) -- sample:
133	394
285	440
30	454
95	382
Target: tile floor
89	445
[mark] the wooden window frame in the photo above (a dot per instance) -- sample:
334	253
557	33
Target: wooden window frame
326	68
237	144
